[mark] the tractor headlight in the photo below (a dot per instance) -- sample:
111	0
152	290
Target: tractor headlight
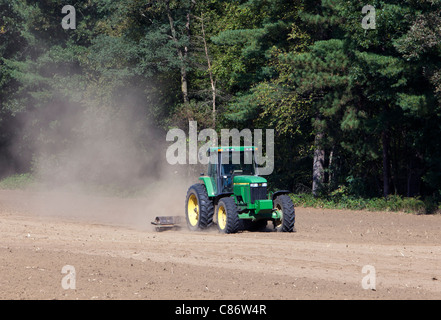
253	185
264	184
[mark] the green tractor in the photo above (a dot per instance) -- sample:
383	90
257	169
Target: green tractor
234	197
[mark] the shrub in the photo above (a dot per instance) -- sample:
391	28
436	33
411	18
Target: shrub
338	199
17	181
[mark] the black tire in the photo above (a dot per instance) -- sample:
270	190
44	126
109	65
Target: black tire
205	208
231	223
286	206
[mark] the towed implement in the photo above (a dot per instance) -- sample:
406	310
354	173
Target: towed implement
167	223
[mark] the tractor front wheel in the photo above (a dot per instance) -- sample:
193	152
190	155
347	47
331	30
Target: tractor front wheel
284	206
227	216
198	208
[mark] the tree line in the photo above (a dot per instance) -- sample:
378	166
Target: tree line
353	109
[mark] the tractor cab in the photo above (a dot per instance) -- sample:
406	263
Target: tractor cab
228	162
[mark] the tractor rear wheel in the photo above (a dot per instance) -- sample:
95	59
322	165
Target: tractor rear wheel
227	216
199	208
283	204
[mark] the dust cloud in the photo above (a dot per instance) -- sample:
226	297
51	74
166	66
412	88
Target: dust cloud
101	164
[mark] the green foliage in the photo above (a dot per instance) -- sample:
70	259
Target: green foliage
302	68
17	181
340	200
361	86
250	31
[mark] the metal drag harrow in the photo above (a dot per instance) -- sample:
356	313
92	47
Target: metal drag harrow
167	223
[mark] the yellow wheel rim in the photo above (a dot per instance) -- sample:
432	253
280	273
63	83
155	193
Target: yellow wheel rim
193	210
222	217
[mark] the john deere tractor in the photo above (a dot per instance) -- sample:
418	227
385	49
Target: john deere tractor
233	195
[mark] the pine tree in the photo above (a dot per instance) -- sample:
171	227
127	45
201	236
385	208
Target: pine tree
362	88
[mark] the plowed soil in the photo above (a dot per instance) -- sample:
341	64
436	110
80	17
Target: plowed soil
117	254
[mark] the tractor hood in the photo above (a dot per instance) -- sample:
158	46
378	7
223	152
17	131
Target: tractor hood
243	180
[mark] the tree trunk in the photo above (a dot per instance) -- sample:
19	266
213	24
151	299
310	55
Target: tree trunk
386	163
182	52
184	85
318	165
410	183
210	71
415	171
330	167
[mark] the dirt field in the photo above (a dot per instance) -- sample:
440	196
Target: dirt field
117	255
